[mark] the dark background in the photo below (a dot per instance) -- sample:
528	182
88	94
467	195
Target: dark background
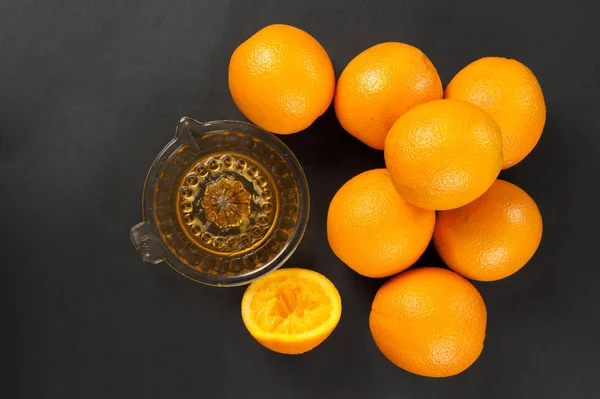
90	91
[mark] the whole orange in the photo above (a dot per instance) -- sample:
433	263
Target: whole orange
373	230
281	79
379	85
510	92
429	321
443	154
493	236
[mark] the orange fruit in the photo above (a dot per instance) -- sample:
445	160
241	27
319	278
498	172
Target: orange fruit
379	85
281	79
508	91
493	236
429	321
291	310
373	230
443	154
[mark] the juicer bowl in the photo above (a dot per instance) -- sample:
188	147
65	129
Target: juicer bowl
224	203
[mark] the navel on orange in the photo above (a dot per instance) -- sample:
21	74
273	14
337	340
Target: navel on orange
373	230
511	94
443	154
291	311
492	237
379	85
281	79
429	321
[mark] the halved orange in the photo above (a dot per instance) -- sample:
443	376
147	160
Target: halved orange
291	311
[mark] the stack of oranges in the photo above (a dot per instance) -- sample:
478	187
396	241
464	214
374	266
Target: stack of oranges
443	151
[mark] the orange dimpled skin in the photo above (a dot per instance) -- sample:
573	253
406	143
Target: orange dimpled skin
493	237
281	79
373	230
443	154
511	94
429	321
379	85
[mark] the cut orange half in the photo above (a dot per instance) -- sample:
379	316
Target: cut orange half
291	310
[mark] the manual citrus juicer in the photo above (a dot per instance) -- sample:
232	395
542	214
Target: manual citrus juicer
224	203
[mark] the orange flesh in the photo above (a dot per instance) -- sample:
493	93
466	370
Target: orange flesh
285	306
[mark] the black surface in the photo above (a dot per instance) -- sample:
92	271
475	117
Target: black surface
90	91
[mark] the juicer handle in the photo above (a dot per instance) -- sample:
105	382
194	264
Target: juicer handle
148	246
